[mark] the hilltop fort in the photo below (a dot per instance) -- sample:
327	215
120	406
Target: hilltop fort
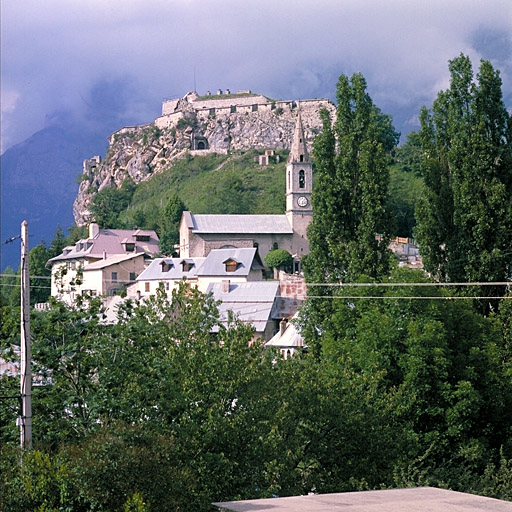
194	124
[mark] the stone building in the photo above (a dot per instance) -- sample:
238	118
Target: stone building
200	234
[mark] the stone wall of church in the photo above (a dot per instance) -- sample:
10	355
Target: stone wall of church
199	245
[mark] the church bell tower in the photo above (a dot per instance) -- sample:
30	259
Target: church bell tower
299	186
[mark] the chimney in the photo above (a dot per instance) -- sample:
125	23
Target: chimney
282	326
94	229
225	286
104	255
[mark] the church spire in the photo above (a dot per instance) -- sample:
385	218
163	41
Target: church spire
299	150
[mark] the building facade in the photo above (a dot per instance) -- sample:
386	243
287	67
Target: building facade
102	264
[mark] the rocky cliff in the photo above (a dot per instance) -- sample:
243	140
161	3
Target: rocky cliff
140	152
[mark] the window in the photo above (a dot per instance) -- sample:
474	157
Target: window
275	246
187	265
301	158
302	179
167	285
114	277
231	266
146	287
132	276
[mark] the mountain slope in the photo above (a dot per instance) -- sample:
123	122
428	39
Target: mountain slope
38	183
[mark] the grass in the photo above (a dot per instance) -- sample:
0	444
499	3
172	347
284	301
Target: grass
213	184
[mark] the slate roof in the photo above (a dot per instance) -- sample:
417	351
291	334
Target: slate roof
289	339
252	302
112	260
109	242
215	263
154	271
230	224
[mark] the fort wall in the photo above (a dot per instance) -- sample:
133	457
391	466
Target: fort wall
225	105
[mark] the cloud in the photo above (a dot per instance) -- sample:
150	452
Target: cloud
57	53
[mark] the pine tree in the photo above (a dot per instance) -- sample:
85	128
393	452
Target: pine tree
465	219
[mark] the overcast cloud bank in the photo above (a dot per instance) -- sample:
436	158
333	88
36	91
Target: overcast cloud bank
58	57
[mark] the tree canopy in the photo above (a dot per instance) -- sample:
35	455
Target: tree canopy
465	218
278	258
351	184
170	225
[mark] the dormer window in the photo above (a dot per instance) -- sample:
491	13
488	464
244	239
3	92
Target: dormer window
142	236
128	244
166	266
231	264
187	265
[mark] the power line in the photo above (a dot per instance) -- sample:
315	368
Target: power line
405	297
17	276
31	286
377	285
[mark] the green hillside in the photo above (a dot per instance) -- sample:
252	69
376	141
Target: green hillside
206	184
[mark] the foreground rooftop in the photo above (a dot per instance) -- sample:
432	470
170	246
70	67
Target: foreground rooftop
419	499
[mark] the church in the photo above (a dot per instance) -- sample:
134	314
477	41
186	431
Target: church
199	234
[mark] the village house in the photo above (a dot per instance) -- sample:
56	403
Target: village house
102	264
287	339
255	303
238	265
166	273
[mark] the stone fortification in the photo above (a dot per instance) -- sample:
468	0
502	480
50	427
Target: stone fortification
195	125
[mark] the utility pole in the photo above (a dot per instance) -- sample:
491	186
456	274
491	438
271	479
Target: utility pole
25	420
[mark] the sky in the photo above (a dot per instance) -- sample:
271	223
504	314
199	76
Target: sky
83	59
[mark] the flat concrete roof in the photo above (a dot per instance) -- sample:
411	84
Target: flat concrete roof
418	499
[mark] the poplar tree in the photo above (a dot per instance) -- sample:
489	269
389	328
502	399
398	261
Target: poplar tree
351	183
465	218
170	228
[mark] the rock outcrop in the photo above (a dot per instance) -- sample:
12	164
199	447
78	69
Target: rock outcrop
198	126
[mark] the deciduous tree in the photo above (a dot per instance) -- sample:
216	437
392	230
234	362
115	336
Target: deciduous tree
170	225
465	220
349	197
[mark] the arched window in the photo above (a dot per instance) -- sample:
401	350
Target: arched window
201	145
302	179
